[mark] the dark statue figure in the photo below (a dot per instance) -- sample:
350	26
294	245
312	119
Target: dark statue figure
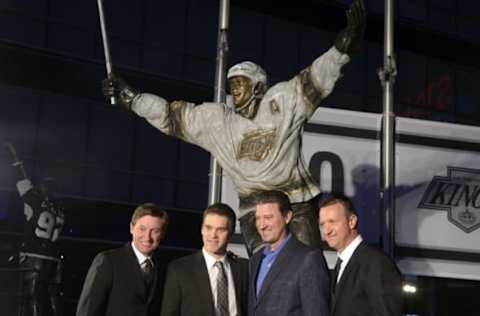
39	257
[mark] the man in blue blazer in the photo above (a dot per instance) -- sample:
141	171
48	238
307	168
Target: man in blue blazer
286	276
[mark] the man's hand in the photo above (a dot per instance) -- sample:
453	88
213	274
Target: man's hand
117	87
349	38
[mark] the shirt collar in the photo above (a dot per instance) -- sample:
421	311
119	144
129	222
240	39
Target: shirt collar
210	260
267	250
347	253
140	256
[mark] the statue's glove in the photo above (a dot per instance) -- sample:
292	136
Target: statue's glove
349	38
116	87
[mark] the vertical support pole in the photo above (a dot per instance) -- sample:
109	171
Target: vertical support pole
387	77
215	185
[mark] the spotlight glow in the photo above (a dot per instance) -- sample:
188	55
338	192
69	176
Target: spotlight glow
409	288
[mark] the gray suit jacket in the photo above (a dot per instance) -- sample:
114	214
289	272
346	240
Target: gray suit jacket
297	283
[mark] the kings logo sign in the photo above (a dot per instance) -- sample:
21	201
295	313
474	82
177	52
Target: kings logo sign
459	194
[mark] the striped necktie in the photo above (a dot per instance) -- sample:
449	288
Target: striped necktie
222	291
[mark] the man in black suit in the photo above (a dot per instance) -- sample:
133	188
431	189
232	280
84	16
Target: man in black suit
128	281
211	281
287	278
365	280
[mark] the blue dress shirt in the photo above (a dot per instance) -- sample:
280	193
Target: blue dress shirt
268	259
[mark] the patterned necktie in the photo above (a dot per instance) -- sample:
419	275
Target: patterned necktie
147	271
222	291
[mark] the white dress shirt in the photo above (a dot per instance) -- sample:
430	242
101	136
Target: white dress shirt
347	253
213	272
141	258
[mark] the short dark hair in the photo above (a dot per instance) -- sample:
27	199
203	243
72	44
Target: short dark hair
334	198
149	209
274	196
222	209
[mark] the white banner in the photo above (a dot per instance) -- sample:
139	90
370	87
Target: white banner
438	197
438	191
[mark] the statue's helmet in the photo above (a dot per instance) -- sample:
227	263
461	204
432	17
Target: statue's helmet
251	71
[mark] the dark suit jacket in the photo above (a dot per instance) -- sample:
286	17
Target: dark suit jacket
297	283
370	285
114	286
188	291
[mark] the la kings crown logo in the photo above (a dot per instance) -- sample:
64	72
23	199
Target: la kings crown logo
459	194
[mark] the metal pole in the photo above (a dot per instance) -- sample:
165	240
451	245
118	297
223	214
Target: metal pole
214	194
387	77
106	48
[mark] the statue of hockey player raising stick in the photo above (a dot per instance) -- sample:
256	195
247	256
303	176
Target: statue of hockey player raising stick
257	140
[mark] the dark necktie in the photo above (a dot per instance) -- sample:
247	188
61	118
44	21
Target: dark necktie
336	271
147	271
222	291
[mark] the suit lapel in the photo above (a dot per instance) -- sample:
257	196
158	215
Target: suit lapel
347	272
236	278
254	266
132	262
200	275
277	267
153	286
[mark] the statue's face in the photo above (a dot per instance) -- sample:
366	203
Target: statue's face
241	90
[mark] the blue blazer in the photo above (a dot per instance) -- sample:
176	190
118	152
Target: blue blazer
297	283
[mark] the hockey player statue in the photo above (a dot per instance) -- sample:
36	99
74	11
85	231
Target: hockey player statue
39	256
257	139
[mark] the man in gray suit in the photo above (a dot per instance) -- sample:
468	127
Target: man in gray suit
287	277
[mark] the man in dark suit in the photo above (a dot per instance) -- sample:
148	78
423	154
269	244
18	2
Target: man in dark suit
286	277
211	281
365	280
128	281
